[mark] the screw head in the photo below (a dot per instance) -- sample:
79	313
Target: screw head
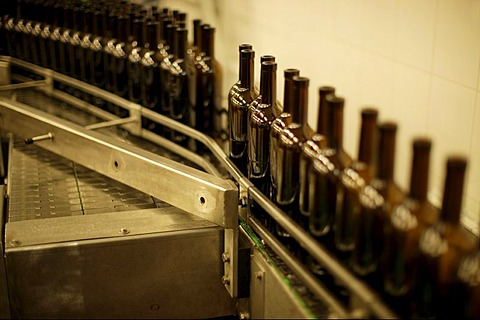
226	280
124	231
243	202
225	257
14	242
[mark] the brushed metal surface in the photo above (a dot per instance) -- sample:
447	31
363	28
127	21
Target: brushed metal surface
167	266
20	234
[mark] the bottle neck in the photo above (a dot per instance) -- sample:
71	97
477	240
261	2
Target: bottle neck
289	74
300	96
89	17
242	47
335	119
210	47
152	30
268	82
323	109
181	43
205	38
163	30
98	23
197	33
123	28
207	44
386	152
170	39
368	135
139	32
453	191
247	69
420	168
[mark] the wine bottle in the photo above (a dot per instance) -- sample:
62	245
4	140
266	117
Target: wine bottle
441	248
75	51
65	52
193	52
288	154
134	58
84	49
239	98
220	113
278	125
204	86
377	200
41	32
324	180
11	35
179	86
25	29
467	297
310	149
408	220
18	28
165	75
259	124
112	36
150	69
95	57
121	52
352	179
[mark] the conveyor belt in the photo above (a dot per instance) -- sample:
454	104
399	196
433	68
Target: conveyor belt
44	185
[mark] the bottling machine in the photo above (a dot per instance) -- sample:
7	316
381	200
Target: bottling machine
103	218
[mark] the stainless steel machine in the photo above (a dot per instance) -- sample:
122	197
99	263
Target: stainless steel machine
104	219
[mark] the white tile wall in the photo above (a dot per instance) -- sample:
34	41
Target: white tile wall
417	61
457	45
416	32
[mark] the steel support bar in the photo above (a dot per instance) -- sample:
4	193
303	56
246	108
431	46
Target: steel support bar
23	85
339	310
369	299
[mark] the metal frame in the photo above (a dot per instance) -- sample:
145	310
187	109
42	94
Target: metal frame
365	302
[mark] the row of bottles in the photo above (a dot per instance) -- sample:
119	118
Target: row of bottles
141	54
422	261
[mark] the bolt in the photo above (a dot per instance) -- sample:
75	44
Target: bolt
225	257
226	280
14	242
124	231
47	136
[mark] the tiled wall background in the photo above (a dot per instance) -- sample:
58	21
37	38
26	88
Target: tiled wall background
417	61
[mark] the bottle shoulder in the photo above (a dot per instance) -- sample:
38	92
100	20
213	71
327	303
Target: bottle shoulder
292	136
240	97
262	116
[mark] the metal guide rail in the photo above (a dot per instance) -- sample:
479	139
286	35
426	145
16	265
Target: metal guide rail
206	194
